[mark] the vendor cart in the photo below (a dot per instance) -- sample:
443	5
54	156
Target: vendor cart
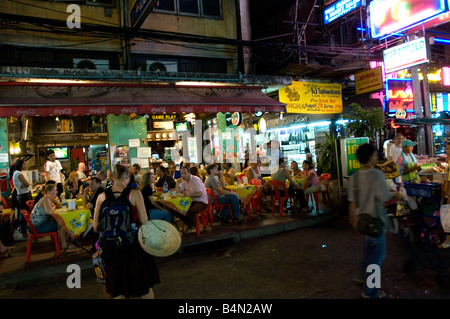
422	232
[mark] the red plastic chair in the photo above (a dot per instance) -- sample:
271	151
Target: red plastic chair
281	199
34	235
204	216
255	199
323	179
30	204
216	206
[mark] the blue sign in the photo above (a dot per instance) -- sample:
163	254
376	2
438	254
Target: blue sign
339	9
139	10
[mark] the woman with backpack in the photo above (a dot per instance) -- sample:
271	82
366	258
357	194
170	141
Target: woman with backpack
129	270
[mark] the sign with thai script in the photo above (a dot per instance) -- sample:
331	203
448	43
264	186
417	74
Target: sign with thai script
369	81
339	9
387	16
312	98
406	55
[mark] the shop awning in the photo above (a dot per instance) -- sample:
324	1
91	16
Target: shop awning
45	99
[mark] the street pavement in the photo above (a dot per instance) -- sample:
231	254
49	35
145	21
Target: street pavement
317	262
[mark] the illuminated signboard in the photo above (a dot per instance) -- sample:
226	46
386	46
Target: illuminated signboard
339	9
387	16
405	55
399	95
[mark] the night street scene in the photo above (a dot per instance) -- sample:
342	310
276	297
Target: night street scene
226	158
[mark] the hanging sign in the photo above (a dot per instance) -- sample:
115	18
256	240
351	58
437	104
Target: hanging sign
236	118
312	98
339	9
369	81
406	55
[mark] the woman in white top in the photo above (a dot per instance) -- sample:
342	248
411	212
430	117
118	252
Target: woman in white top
22	187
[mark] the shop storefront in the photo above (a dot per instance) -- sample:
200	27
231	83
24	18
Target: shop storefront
134	123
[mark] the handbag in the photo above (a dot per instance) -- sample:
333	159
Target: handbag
367	224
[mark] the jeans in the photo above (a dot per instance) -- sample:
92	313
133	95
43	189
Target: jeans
48	226
159	214
22	200
232	199
374	253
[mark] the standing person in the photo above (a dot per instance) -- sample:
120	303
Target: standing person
294	190
130	271
53	171
407	163
154	210
193	187
23	193
312	181
41	215
309	156
368	192
164	176
96	164
223	195
396	149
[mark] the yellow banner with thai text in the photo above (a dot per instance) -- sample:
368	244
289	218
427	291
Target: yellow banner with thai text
369	81
312	98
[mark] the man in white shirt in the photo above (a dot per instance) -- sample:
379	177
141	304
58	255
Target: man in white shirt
81	175
53	171
193	187
396	149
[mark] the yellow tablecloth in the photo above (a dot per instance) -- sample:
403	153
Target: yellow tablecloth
267	178
7	213
75	222
180	204
245	192
299	182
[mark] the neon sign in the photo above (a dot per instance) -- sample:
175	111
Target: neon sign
390	16
399	95
339	9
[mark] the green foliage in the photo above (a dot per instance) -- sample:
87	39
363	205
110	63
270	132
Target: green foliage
326	159
364	122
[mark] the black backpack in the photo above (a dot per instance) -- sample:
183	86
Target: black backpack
115	220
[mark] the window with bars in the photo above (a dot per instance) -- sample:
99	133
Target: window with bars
201	8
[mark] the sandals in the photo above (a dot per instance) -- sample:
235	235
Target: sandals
444	245
7	252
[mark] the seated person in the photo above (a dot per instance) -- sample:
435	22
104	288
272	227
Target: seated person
193	187
296	172
95	186
41	214
229	174
312	181
294	190
164	176
154	210
41	193
223	195
73	185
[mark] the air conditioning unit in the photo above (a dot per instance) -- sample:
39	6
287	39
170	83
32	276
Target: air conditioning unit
162	66
92	64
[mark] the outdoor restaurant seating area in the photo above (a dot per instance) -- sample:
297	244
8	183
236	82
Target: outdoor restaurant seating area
258	207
